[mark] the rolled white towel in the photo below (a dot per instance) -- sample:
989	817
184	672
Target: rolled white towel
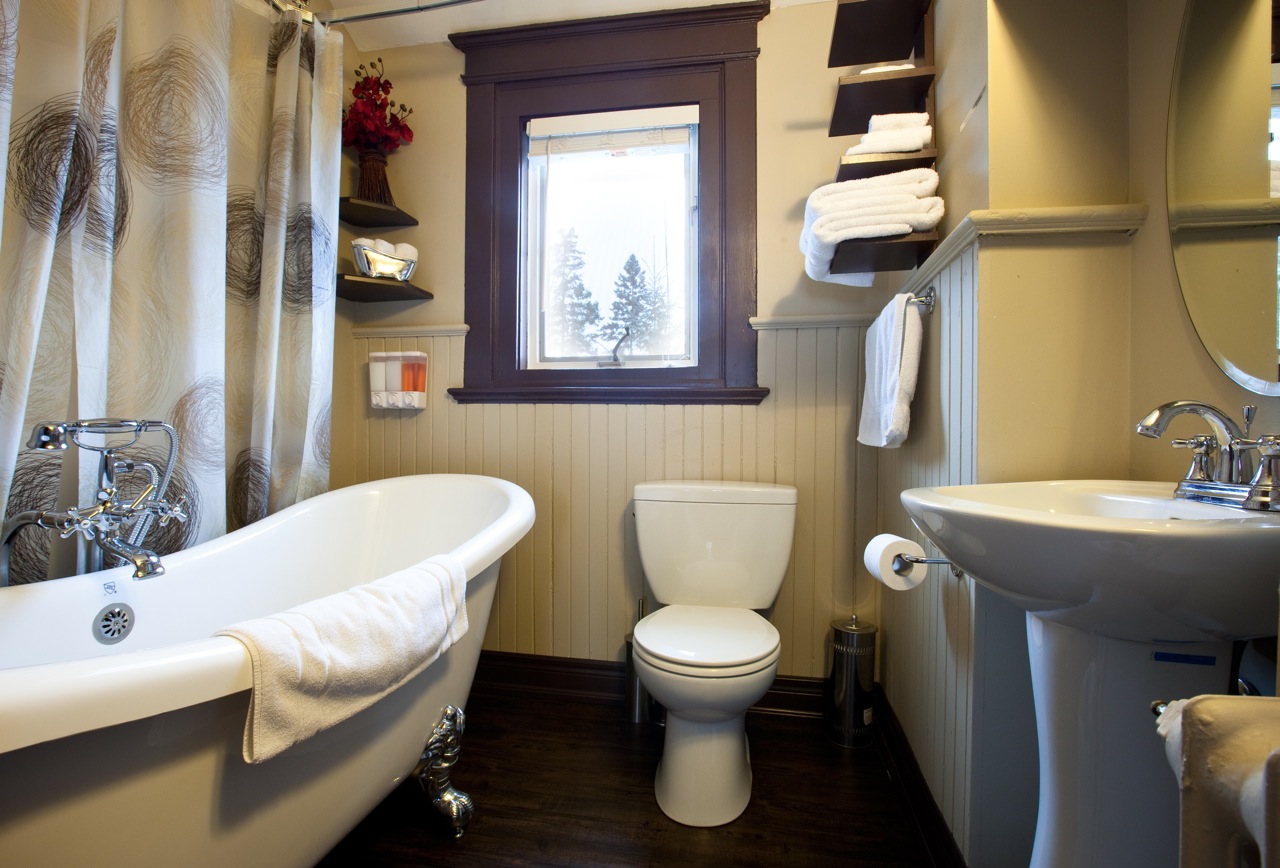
898	121
893	141
363	242
406	251
384	247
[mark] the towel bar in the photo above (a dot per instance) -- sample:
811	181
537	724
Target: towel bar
924	299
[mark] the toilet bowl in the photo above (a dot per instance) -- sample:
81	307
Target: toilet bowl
704	778
713	553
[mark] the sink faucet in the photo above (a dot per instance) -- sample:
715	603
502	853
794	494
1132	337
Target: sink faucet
1225	456
115	527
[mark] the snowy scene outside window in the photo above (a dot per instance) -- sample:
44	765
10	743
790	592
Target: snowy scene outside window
609	225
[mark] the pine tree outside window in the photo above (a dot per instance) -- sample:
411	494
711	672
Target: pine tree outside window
610	229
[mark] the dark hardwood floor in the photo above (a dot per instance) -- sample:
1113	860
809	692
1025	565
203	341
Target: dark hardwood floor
561	781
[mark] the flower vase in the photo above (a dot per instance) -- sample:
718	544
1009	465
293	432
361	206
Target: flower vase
372	186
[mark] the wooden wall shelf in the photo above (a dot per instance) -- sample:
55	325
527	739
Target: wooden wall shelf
362	212
357	287
876	31
899	253
869	165
882	32
863	95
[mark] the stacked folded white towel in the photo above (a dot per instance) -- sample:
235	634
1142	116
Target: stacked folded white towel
895	134
875	207
321	662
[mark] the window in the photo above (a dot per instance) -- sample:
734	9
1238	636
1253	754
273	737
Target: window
626	295
610	240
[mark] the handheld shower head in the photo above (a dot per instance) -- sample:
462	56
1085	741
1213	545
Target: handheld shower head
49	437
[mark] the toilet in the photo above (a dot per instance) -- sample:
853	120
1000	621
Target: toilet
713	553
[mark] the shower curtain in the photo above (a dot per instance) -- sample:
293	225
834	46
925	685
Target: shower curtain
167	251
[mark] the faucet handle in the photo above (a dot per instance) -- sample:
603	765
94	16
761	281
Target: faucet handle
1247	413
1204	447
1264	490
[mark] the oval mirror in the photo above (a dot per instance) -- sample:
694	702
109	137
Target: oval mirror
1224	186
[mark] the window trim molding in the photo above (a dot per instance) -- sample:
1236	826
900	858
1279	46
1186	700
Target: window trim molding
539	63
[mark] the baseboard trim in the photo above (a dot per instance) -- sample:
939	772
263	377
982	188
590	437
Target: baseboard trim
932	826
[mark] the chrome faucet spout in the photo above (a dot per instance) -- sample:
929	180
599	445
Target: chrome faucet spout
146	563
1233	463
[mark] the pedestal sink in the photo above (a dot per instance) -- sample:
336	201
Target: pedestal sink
1130	596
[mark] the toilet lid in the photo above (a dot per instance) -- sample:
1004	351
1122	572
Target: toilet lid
709	636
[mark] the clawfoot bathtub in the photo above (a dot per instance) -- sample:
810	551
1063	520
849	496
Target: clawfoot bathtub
122	717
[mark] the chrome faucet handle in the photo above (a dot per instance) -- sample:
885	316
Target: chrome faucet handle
171	511
1204	447
1247	412
1264	490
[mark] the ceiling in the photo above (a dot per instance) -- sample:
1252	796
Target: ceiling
435	25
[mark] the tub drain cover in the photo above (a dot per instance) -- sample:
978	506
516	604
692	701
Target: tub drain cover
113	623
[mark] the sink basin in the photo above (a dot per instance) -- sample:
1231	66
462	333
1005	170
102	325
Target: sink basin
1115	558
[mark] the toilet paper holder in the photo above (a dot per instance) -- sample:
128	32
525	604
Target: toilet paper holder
902	564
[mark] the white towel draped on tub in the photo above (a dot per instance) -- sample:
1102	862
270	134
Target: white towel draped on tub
321	662
893	362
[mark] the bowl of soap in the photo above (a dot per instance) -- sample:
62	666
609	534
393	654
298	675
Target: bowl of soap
378	258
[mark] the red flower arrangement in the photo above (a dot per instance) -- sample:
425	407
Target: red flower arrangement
373	122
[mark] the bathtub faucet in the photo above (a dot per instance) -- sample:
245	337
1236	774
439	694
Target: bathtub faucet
115	526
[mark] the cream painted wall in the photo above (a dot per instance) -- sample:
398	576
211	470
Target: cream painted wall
1058	126
961	104
1053	369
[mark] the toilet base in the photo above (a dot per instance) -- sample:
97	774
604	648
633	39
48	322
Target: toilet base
704	778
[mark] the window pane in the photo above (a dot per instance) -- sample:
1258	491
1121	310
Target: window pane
610	219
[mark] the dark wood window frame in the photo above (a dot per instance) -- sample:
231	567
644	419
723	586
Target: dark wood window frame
704	55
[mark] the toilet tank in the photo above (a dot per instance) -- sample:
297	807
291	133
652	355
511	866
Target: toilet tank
711	543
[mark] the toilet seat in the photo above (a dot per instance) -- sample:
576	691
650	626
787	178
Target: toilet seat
706	641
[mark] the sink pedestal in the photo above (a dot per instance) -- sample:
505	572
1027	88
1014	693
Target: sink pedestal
1107	794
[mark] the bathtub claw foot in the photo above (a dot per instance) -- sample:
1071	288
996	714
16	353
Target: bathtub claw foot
435	765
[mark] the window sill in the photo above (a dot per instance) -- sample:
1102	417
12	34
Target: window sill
609	395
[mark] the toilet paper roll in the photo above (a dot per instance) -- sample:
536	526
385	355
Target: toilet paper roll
879	556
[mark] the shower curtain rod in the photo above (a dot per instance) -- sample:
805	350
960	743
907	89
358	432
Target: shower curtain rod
308	14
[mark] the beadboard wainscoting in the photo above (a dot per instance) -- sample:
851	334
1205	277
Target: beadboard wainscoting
927	633
571	587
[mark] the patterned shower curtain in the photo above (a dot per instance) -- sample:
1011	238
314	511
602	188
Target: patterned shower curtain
167	250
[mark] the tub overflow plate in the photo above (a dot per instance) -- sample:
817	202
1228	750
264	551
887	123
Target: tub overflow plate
113	623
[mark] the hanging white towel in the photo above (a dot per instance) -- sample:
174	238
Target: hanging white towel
317	664
897	121
893	363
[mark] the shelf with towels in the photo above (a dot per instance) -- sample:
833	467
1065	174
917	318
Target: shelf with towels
891	253
868	165
862	95
882	32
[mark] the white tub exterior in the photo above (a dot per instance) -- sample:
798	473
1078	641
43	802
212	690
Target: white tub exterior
130	754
